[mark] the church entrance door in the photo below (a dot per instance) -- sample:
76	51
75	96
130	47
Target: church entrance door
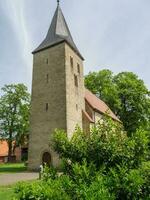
46	158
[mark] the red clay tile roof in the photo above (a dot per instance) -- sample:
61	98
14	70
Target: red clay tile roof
87	116
99	105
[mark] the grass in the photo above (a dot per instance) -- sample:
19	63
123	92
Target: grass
12	168
7	193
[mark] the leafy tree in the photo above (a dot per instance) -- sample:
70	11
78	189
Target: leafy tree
135	102
14	114
102	84
125	94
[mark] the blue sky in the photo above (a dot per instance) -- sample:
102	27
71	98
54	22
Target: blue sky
112	34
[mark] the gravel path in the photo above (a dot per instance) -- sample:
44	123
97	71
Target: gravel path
8	179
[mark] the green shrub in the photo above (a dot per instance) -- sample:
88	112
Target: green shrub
81	176
49	173
98	190
104	146
133	184
51	190
75	149
105	165
82	173
86	183
129	184
141	150
145	172
107	145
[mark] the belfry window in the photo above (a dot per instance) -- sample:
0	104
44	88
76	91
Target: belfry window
76	80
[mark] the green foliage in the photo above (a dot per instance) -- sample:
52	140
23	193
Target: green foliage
102	84
107	145
98	190
85	183
68	148
129	184
14	114
125	94
49	173
135	102
41	190
107	153
145	171
82	184
82	173
141	149
105	165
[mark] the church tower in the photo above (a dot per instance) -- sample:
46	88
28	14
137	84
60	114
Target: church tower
57	91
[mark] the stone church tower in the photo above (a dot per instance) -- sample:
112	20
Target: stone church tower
57	91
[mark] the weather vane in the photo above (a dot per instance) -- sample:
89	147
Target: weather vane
58	2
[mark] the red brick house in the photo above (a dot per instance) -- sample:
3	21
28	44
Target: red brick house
18	154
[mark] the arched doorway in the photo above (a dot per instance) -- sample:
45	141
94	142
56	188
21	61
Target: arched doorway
46	158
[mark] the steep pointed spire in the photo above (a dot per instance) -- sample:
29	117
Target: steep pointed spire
57	33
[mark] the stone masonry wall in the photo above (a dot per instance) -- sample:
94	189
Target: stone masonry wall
56	101
74	94
48	106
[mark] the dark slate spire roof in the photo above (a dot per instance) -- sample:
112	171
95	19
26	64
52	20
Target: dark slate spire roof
57	33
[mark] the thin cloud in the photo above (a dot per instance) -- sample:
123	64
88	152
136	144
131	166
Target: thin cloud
14	11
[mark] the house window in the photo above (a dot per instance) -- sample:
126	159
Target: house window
71	61
46	107
47	78
76	80
78	68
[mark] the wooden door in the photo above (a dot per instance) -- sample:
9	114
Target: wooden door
46	159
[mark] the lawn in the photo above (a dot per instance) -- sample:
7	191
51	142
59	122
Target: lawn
7	193
12	168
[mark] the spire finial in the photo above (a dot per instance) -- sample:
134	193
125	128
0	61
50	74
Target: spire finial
58	1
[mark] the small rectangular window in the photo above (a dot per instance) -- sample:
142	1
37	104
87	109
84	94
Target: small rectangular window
71	61
78	68
77	107
46	106
47	78
76	80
